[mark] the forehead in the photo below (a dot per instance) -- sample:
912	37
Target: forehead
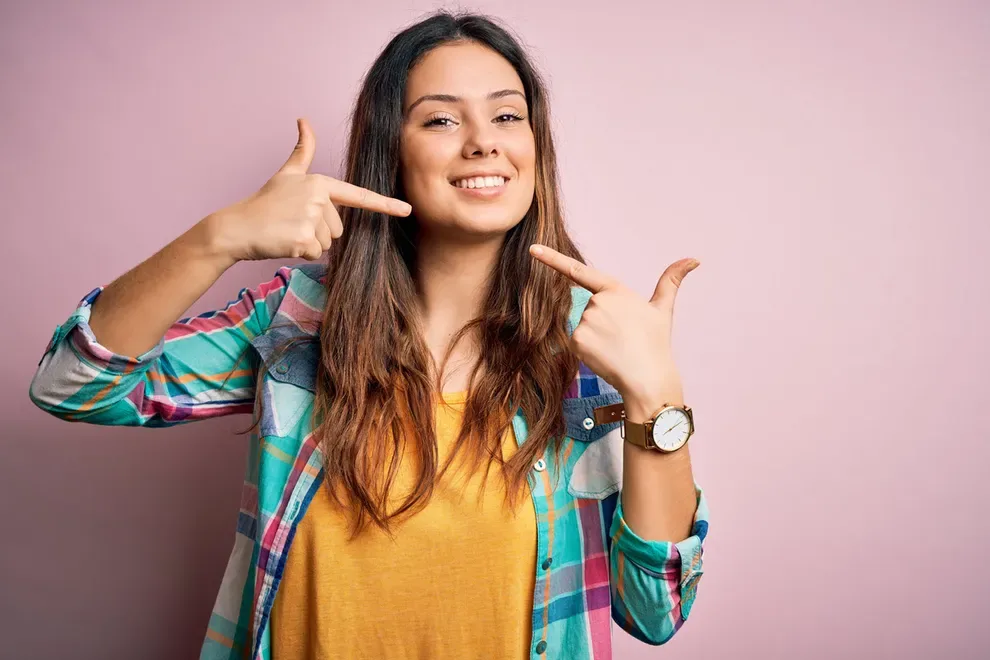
465	69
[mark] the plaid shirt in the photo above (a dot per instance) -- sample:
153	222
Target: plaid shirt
591	567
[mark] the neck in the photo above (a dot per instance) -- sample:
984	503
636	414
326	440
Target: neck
452	278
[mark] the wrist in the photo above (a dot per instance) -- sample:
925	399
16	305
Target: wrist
642	406
212	238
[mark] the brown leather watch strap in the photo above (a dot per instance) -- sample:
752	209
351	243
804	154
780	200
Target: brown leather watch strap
634	433
609	414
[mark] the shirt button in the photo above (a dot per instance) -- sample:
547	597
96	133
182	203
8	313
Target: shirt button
282	368
541	647
588	423
540	465
546	564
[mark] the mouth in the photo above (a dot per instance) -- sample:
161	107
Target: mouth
476	182
484	187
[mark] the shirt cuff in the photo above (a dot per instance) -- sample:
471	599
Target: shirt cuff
84	343
663	558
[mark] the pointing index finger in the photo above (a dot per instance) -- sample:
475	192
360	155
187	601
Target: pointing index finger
347	194
591	279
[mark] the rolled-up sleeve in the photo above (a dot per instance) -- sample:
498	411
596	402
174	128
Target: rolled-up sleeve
201	368
654	583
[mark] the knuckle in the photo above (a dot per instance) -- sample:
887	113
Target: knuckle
316	198
579	336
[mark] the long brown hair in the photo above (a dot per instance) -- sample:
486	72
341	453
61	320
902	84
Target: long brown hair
377	383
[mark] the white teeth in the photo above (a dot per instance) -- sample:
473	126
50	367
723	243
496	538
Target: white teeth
481	182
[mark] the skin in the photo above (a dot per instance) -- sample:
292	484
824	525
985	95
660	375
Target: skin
484	127
627	341
291	216
622	337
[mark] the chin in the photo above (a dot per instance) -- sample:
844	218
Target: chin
487	222
478	220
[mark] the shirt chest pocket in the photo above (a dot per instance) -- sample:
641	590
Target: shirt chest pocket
597	472
289	383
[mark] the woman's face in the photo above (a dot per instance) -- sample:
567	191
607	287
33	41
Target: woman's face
468	154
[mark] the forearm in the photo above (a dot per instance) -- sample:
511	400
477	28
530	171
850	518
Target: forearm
133	312
658	492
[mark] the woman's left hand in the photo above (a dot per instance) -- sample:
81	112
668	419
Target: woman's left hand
624	339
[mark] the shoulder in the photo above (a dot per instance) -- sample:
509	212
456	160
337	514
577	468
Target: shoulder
306	277
304	295
306	284
298	312
314	272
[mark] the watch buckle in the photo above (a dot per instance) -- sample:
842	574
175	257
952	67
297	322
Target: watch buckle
609	414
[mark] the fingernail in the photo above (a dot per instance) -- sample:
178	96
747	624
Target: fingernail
535	250
403	207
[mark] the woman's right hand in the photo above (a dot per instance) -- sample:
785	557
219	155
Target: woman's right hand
293	214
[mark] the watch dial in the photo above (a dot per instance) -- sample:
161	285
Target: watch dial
671	429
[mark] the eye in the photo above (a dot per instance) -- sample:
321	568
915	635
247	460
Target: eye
442	121
509	117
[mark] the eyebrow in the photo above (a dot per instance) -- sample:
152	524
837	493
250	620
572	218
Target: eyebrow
450	98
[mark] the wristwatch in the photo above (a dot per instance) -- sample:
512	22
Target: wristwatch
667	431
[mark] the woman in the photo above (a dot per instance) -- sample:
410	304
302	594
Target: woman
445	411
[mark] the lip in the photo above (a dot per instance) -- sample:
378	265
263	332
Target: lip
482	193
477	173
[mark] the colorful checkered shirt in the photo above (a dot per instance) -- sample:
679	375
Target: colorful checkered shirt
591	567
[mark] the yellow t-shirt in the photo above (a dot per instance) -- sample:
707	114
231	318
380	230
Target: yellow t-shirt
456	582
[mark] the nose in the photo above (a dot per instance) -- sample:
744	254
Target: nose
481	141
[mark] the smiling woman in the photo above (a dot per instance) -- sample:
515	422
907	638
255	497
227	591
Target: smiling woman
479	141
467	443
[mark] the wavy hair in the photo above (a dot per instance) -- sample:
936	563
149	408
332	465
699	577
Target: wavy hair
377	383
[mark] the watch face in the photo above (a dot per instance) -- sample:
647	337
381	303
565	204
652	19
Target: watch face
671	429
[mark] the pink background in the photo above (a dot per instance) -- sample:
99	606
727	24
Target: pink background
829	164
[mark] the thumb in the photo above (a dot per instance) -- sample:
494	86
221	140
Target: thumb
302	154
670	282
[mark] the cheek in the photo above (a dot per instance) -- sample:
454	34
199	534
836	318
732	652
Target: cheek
525	163
423	166
523	154
527	145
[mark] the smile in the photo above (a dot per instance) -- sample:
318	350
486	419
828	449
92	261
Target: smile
481	187
480	182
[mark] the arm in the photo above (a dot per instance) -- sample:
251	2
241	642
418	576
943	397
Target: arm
131	315
657	535
122	358
654	583
660	519
200	368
